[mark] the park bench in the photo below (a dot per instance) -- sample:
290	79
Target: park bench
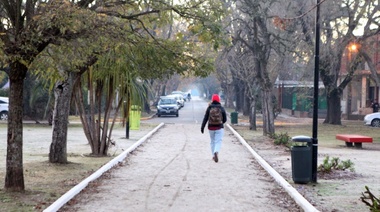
352	138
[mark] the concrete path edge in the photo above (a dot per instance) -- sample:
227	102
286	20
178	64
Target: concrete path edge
298	198
78	188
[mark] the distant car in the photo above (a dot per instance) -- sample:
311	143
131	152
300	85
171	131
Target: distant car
177	92
167	105
4	104
184	95
179	98
372	119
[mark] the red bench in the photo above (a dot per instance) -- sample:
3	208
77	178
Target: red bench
356	139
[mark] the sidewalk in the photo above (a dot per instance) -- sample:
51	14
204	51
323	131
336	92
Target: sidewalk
174	171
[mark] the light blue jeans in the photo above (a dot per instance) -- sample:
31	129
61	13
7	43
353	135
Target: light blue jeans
216	137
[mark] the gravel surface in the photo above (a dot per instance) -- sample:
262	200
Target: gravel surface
174	171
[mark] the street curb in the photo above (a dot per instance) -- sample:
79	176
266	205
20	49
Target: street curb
78	188
298	198
147	118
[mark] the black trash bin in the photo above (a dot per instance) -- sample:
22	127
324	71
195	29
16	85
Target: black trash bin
301	157
234	117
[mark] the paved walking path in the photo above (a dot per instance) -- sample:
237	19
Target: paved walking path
174	171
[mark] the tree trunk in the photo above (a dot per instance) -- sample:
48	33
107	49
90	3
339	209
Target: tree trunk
107	114
229	96
246	104
96	126
252	116
238	95
268	115
62	92
335	92
14	177
79	103
163	91
334	107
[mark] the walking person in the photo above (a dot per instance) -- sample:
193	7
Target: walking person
375	106
216	117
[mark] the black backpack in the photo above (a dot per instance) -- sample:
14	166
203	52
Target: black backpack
215	117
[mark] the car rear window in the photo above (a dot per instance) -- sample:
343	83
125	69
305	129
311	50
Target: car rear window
167	101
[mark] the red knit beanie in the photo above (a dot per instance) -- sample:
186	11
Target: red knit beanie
215	97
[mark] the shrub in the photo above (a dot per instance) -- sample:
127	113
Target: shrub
335	164
281	139
370	200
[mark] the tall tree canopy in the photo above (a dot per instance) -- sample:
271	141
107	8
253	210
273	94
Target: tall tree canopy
28	27
255	36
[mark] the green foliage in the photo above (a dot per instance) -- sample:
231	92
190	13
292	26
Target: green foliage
335	164
370	200
281	139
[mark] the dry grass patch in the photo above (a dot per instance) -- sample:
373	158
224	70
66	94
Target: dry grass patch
45	182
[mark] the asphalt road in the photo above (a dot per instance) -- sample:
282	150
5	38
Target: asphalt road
191	113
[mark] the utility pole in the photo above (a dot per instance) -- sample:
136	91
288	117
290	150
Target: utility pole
316	90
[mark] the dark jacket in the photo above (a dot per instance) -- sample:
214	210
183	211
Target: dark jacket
205	118
375	107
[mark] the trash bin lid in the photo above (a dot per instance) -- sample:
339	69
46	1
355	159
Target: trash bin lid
301	138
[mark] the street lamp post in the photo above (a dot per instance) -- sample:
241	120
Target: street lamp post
352	48
315	104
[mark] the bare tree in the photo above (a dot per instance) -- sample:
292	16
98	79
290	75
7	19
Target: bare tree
260	36
342	23
224	75
243	61
209	85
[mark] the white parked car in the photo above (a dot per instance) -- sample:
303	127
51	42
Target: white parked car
184	95
372	119
4	104
179	98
